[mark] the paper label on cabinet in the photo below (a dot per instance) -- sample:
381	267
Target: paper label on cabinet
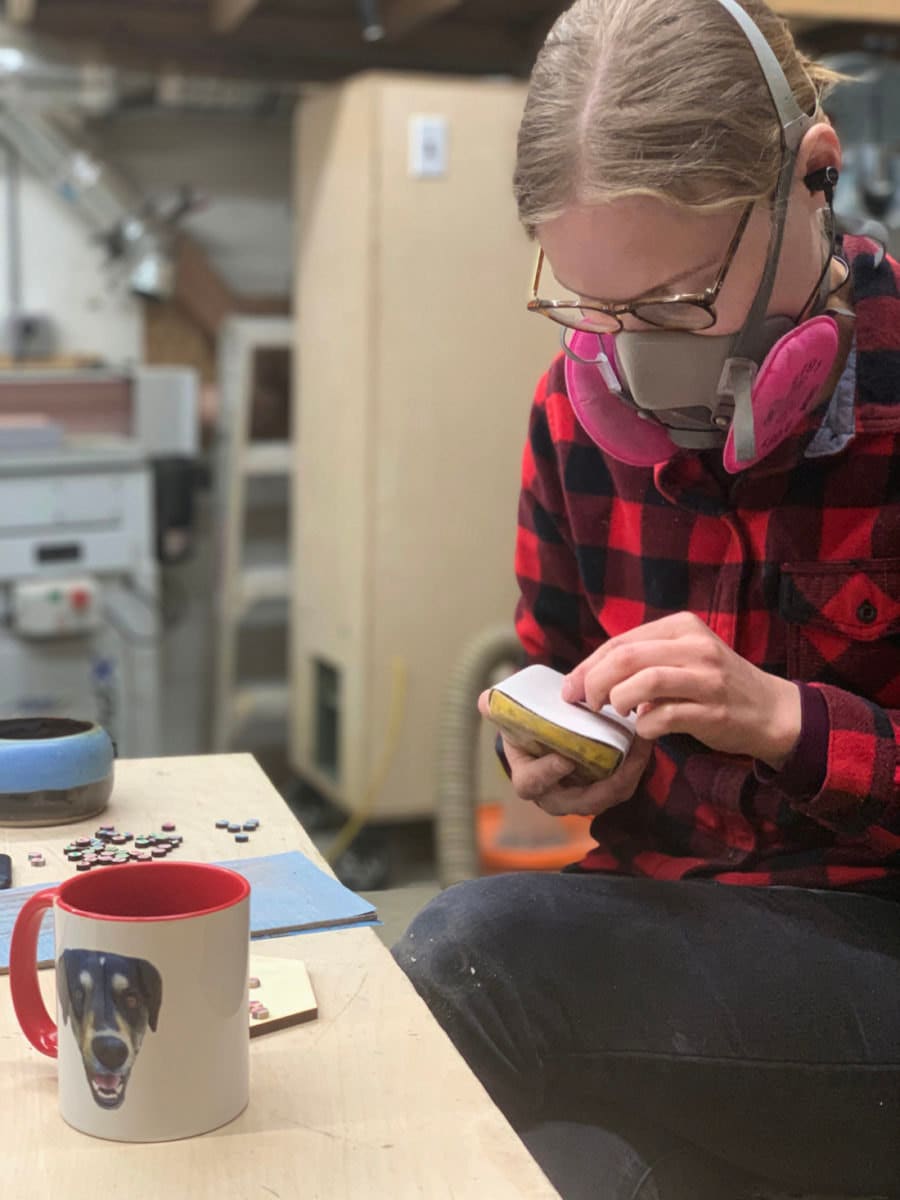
428	146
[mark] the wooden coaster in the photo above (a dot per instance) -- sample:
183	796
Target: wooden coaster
284	989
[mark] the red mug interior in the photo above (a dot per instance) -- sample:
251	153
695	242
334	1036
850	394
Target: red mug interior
152	892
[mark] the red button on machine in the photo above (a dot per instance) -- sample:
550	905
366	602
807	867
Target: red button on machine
80	600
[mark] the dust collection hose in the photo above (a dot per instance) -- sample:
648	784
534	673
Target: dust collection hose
457	782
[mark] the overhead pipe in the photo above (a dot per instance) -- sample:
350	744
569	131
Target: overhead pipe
370	17
14	250
119	221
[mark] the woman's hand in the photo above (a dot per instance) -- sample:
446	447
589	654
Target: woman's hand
546	781
682	678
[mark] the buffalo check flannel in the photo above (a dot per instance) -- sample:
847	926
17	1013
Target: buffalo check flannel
794	563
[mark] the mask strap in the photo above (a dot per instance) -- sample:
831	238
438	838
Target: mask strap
741	368
790	115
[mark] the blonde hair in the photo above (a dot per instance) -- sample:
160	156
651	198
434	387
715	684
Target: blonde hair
660	98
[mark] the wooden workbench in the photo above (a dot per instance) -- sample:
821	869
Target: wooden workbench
369	1101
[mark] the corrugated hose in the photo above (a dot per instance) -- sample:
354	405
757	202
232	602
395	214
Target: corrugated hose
457	782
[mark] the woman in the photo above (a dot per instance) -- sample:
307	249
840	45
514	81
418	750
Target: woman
709	535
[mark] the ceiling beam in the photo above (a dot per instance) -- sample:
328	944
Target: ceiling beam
186	29
837	37
226	15
20	12
270	47
402	16
199	287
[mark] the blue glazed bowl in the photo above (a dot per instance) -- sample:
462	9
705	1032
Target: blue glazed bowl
53	770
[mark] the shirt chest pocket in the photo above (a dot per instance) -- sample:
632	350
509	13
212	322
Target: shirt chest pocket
843	625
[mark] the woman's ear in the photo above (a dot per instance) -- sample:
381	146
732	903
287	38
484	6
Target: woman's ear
819	162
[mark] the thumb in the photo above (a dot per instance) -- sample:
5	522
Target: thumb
638	756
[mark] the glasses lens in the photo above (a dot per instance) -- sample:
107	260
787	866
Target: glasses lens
675	314
583	319
567	311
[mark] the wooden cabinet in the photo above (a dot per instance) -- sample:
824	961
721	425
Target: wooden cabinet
416	362
840	10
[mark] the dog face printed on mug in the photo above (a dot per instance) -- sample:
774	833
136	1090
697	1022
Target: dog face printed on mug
111	1000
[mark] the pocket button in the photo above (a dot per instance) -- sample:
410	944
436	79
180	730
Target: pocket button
867	612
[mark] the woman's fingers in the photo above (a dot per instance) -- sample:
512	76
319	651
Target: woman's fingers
606	793
666	629
629	661
533	777
663	683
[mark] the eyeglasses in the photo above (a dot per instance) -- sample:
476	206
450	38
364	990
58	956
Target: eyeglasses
693	310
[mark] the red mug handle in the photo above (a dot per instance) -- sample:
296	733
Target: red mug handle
36	1022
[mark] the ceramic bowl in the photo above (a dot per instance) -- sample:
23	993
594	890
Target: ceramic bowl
53	770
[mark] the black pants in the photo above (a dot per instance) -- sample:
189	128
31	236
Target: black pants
675	1040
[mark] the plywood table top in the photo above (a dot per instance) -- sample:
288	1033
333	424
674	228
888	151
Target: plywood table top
369	1100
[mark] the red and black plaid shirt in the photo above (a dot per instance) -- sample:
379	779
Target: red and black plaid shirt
794	563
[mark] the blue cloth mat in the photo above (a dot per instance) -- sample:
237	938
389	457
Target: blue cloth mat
289	894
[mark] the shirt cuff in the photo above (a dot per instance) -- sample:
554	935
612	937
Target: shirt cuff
803	773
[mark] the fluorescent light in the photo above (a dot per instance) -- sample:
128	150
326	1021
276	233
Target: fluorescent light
11	59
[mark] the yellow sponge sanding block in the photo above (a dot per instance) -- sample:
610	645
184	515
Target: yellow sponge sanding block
528	707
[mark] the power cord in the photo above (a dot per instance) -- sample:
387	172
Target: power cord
352	827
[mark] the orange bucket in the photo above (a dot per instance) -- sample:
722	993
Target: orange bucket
495	858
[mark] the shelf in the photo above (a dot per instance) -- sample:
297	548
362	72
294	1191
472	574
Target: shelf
256	585
269	458
260	702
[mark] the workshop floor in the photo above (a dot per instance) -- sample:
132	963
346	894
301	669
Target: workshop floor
412	878
397	907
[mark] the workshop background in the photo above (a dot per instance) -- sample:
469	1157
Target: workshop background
265	372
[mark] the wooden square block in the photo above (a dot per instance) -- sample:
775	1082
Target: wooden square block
284	989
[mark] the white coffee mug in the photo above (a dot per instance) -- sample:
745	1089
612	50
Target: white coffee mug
151	972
